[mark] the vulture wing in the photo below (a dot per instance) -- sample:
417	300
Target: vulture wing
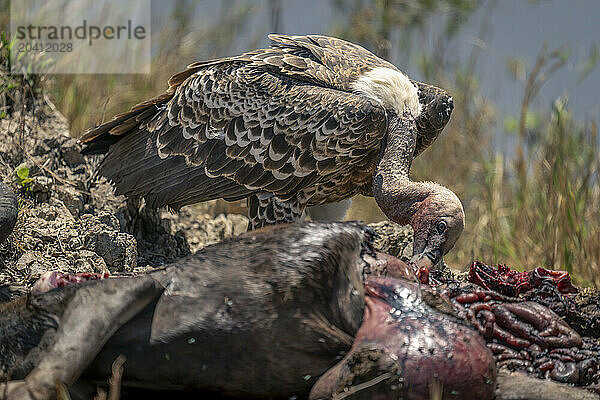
273	120
437	105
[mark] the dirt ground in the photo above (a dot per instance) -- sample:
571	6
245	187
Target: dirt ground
71	221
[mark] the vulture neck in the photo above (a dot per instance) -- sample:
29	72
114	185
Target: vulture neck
397	196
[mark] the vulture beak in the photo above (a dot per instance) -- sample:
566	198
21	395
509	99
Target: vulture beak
437	225
427	259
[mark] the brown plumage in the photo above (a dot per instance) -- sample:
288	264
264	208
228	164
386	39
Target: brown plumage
299	124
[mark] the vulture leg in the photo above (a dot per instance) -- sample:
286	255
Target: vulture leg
268	209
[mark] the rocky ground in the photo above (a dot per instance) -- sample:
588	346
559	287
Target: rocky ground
71	221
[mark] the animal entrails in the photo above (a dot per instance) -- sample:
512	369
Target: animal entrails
310	120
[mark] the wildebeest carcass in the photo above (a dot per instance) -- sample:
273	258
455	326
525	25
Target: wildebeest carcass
260	316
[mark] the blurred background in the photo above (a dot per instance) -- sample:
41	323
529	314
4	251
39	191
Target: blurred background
521	149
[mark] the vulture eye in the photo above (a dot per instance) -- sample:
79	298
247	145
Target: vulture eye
442	226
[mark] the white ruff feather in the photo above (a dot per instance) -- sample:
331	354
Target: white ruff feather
391	88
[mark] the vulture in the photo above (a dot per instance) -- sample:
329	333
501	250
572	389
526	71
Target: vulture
310	120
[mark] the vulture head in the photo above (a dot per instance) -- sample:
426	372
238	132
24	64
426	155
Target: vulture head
437	225
434	212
